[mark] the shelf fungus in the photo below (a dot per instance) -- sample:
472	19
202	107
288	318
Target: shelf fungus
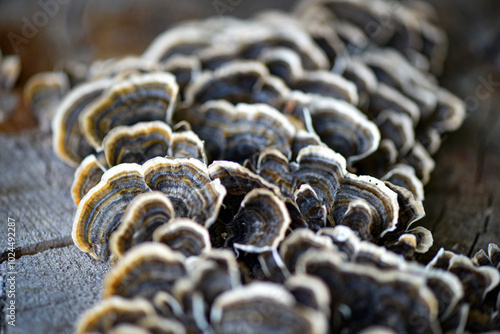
145	270
481	284
237	82
100	211
112	313
260	224
369	293
88	174
238	132
43	92
68	140
138	98
143	141
264	307
187	184
320	135
185	236
286	64
143	216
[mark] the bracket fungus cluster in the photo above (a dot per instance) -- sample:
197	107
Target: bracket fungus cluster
264	175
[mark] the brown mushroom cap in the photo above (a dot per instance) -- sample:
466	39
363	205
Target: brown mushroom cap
185	236
145	213
100	211
88	174
68	141
144	270
138	98
188	185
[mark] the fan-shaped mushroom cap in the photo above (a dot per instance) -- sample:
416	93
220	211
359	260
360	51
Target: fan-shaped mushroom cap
404	176
261	222
309	291
450	112
121	66
311	208
286	64
185	69
143	271
344	129
87	175
322	169
238	132
398	128
111	313
185	236
68	140
387	97
421	161
137	143
274	167
188	185
138	98
236	82
43	92
300	241
187	144
213	273
145	213
371	293
263	307
100	211
181	40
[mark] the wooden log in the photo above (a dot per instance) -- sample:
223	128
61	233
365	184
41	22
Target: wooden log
52	289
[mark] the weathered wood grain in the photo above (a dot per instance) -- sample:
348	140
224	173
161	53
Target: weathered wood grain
53	288
35	192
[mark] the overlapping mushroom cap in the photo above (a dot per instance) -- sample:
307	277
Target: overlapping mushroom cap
187	191
91	110
286	110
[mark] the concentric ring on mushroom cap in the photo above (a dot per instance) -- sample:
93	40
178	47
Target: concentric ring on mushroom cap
43	92
238	132
235	82
87	175
185	236
286	64
137	143
325	171
68	140
111	312
261	222
188	185
187	144
101	209
344	128
145	213
385	291
272	304
383	202
144	270
309	291
322	169
138	98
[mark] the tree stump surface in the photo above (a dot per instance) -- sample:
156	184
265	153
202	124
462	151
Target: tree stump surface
55	282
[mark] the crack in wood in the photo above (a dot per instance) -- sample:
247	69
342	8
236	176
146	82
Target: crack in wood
38	247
